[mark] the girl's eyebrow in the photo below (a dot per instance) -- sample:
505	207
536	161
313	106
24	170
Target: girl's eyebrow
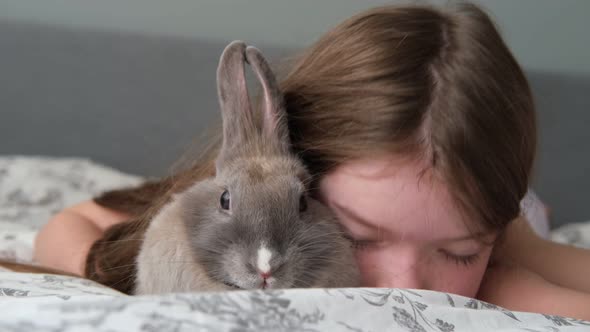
352	215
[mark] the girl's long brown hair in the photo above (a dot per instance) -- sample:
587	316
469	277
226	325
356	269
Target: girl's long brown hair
111	259
427	82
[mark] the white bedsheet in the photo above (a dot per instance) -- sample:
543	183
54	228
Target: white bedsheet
33	188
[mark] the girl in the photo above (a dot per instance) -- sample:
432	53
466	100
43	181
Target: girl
419	126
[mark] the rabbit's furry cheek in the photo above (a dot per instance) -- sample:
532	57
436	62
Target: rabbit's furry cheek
234	271
166	261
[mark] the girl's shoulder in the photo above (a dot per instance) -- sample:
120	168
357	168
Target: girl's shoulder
101	216
519	289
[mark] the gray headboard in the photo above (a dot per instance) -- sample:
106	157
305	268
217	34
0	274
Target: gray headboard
136	102
130	101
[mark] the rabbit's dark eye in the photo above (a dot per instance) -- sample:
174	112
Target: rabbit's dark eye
224	200
302	204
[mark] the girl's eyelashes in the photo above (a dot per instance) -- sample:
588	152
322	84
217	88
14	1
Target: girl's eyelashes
359	244
465	260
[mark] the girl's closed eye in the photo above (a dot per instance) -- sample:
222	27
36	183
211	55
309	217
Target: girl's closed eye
361	244
465	260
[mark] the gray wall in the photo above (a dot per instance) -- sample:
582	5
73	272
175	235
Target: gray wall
546	35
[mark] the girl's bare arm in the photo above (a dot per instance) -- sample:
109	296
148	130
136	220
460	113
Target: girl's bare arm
64	241
563	265
518	289
533	274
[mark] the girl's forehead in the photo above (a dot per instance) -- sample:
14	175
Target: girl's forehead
382	166
395	194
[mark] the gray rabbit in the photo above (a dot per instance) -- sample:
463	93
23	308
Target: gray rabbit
251	226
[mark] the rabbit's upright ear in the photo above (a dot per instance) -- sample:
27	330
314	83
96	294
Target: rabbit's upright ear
274	127
238	123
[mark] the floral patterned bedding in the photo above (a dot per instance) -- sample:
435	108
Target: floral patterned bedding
33	188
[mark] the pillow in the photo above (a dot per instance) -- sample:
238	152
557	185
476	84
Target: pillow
34	188
536	213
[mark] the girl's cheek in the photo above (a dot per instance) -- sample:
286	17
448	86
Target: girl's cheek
373	269
459	279
433	272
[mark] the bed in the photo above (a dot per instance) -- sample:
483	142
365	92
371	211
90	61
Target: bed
32	188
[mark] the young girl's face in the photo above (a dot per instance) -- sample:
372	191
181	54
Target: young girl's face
406	231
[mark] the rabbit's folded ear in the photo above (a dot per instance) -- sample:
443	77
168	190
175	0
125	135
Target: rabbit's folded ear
238	122
274	126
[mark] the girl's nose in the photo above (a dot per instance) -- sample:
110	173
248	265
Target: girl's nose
404	270
400	279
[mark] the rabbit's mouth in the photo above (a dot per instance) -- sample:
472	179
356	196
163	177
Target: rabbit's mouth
231	285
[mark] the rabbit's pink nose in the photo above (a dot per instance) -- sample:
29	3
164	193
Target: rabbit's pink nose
265	275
